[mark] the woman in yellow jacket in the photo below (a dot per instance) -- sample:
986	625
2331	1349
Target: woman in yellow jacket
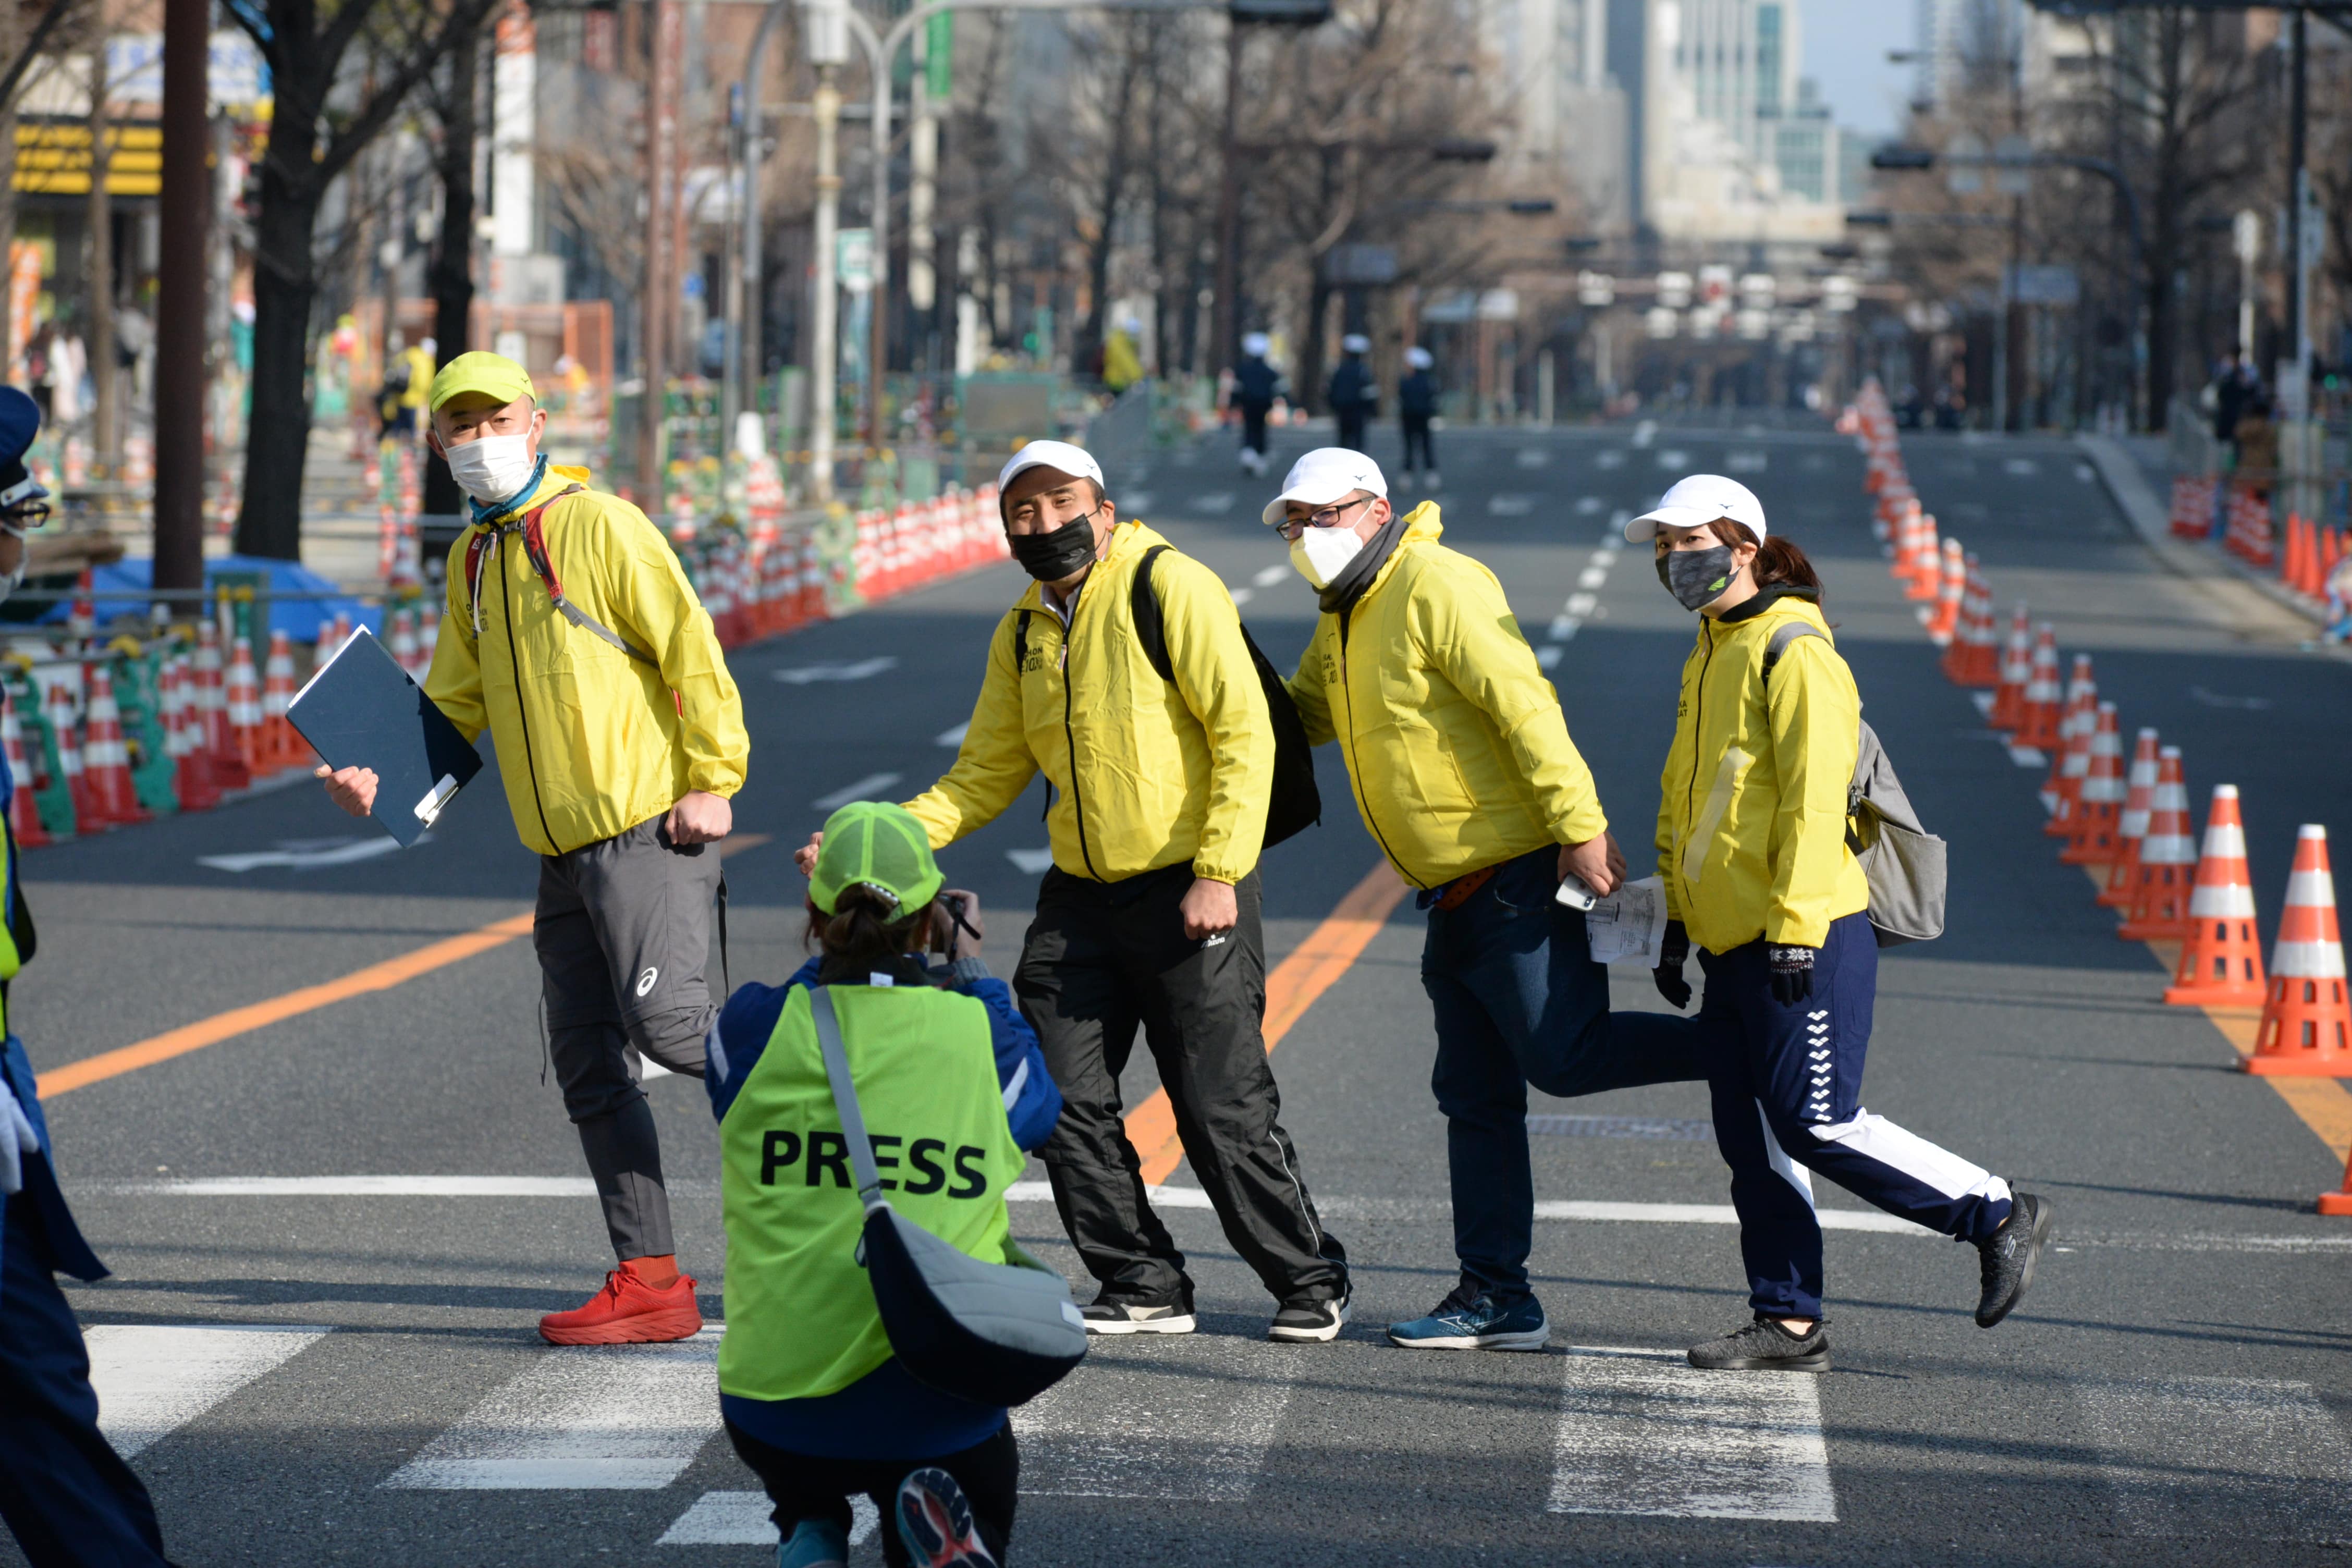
1752	849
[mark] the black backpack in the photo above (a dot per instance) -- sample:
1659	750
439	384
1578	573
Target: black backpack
1296	803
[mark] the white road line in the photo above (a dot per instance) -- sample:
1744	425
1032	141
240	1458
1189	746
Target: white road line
952	737
1592	577
1640	1432
1534	457
861	669
2027	757
372	1187
1645	432
1193	1419
1673	457
1165	1197
582	1418
297	857
154	1379
1609	459
1588	506
1215	502
1719	1214
1617	521
1510	506
2023	467
1035	862
1581	605
1268	576
864	789
1548	655
1747	462
741	1519
1984	700
1243	595
2220	1457
1604	555
1562	629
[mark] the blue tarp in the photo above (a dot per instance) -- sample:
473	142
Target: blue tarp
297	618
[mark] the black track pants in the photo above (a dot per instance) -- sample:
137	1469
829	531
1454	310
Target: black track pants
1103	958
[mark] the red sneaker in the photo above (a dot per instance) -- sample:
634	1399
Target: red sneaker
627	1312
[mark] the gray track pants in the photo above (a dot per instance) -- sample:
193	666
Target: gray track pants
623	931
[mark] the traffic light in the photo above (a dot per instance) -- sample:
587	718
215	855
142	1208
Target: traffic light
1899	157
1462	150
1280	13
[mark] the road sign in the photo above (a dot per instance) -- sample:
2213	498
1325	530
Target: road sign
1595	290
854	258
1674	290
2036	285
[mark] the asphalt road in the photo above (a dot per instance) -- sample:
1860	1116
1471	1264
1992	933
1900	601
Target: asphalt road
2175	1391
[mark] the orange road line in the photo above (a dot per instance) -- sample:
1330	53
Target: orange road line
2325	1104
1310	970
244	1020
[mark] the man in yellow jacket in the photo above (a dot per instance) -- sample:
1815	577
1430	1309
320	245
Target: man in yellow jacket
572	635
1464	770
1151	912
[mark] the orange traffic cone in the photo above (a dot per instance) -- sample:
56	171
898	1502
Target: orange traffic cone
65	725
221	750
403	642
2222	956
24	813
245	709
105	757
81	620
191	770
2168	860
1952	594
2338	1203
2016	673
1925	571
1974	657
2073	761
2042	711
2139	796
282	747
428	635
2306	1029
2098	807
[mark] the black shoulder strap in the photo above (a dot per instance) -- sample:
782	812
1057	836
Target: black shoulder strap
1019	643
1143	606
1782	637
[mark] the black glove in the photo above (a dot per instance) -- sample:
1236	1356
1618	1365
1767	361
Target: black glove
1793	973
1672	949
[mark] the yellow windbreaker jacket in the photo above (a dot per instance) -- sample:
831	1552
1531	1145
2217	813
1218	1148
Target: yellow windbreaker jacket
1146	772
1455	745
591	741
1752	811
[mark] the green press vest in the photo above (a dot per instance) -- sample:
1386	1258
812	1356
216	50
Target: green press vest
800	1318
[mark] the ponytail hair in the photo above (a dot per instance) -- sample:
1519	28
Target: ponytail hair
1779	562
866	932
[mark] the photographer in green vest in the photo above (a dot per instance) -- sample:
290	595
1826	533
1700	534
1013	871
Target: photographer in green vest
954	1090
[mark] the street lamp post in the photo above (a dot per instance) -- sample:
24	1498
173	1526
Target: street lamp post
828	48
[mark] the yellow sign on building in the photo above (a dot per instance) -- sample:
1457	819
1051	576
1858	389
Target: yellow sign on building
54	160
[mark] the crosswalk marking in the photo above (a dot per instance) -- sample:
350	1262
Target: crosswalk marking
2234	1457
584	1418
1189	1418
1267	577
867	788
741	1519
1640	1432
152	1379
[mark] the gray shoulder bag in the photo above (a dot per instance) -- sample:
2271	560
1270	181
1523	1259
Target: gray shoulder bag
994	1333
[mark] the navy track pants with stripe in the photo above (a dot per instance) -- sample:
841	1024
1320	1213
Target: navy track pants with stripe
1787	1087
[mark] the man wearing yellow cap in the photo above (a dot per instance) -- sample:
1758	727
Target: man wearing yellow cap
572	635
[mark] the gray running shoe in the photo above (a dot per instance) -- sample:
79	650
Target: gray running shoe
1765	1346
2009	1256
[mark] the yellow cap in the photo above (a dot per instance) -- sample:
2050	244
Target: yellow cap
494	375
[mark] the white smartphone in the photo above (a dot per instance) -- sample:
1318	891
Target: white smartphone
1576	893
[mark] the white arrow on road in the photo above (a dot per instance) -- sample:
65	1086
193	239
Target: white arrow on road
307	854
1036	862
864	789
805	674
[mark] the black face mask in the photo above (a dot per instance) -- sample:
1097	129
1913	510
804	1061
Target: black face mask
1697	577
1060	552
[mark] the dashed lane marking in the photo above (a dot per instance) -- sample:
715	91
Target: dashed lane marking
866	788
952	737
1673	457
1534	457
741	1519
582	1417
1609	459
1984	701
2219	1457
1747	462
1268	576
859	669
307	855
1645	432
1242	596
1582	605
1592	577
1191	1419
1642	1433
1588	506
1562	629
152	1379
1510	506
1550	655
1216	503
1035	862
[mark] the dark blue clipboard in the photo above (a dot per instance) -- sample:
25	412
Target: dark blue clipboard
361	710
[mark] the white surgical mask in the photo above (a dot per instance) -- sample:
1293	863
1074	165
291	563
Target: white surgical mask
1320	554
492	468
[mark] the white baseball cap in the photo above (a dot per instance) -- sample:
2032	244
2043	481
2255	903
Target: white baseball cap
1059	456
1356	344
1419	358
1695	502
1257	343
1325	475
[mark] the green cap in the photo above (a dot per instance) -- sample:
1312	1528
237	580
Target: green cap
493	374
874	844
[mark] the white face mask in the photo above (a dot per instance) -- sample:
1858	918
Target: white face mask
1320	554
492	468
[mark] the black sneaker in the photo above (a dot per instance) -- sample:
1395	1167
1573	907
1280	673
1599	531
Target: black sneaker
1139	1317
1311	1323
1765	1346
2009	1255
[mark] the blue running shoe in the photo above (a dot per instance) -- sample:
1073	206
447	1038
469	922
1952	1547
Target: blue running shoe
815	1543
936	1525
1471	1319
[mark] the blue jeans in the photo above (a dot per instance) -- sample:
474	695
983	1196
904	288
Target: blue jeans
1519	1001
1787	1086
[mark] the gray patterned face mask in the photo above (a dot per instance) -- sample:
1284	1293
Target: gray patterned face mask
1697	578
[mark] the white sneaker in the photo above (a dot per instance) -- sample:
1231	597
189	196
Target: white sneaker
1133	1318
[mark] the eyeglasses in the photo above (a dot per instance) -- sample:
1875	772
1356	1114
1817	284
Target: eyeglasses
1327	517
31	514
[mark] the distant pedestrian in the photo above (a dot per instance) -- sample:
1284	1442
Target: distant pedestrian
1162	771
2231	387
1416	409
65	1494
571	634
1257	385
814	1400
1759	873
1465	774
1354	396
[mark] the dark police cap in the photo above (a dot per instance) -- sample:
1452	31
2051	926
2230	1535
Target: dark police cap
20	420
